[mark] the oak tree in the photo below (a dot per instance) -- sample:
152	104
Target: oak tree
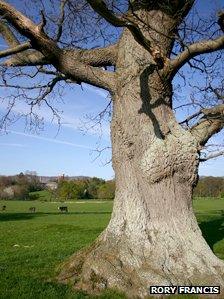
153	237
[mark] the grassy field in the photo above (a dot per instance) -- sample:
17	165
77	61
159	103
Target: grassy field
33	245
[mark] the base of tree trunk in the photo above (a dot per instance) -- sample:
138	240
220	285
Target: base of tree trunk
131	267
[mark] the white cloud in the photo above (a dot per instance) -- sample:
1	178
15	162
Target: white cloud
12	144
51	140
100	92
67	121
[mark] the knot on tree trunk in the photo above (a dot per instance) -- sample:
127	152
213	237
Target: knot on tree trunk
176	154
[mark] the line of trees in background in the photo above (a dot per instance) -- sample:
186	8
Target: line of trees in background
19	186
210	187
24	187
92	188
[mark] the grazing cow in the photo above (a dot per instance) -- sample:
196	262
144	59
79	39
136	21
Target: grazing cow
3	208
63	209
32	209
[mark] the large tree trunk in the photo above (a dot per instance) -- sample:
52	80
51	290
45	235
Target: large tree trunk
153	237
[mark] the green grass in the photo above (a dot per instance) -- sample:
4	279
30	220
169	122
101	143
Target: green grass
210	215
33	245
43	195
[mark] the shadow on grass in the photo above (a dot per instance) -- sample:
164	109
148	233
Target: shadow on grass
213	230
18	216
27	216
73	213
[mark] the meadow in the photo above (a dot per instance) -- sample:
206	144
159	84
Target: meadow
32	245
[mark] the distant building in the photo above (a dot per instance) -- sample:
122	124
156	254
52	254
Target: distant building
52	185
9	191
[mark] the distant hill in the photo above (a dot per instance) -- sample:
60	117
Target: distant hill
46	179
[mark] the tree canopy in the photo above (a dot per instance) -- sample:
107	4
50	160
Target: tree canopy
71	42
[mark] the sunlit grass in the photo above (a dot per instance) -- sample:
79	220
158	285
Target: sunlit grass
33	245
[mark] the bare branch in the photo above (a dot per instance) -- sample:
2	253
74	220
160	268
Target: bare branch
39	40
120	21
215	91
73	69
8	35
212	156
16	49
43	22
191	117
101	8
194	50
211	123
27	58
49	87
61	20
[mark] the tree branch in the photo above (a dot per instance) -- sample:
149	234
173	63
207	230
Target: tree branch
211	123
99	57
120	21
27	57
39	40
8	35
212	156
198	48
14	50
80	72
194	50
61	20
66	64
189	118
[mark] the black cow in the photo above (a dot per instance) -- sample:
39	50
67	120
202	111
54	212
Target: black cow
63	209
32	209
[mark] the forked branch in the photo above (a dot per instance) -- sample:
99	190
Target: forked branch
74	69
120	21
24	58
193	50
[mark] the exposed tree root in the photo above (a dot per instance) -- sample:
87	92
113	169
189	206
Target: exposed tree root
116	266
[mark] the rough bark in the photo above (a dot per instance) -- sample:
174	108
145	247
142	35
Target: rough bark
153	237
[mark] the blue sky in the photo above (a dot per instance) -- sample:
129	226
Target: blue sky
72	149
